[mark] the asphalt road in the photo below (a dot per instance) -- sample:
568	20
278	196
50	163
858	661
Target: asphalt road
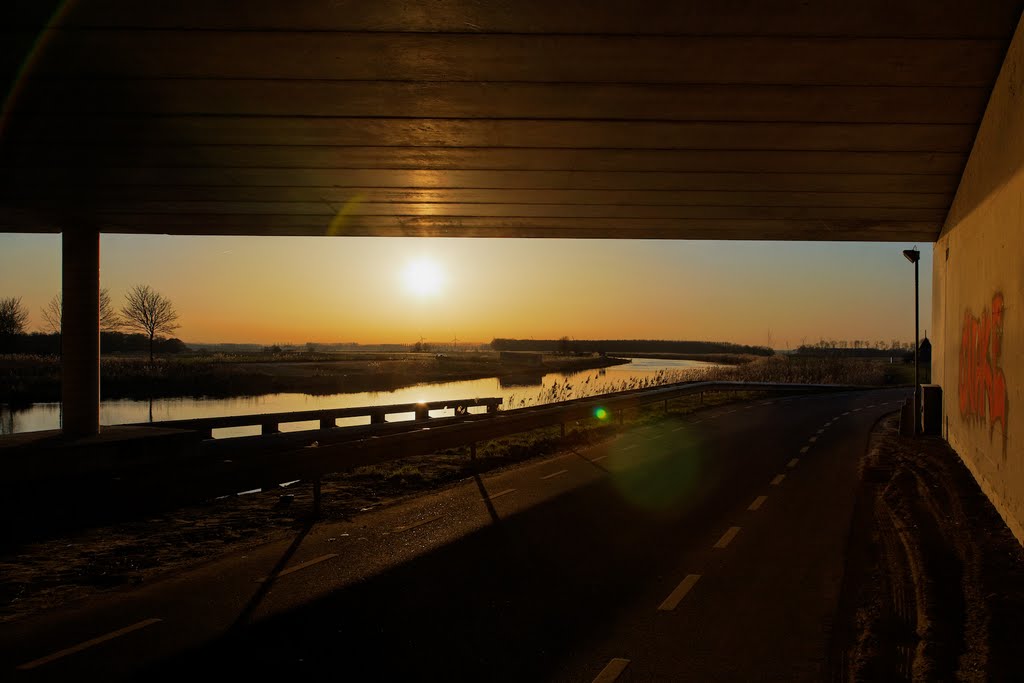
703	548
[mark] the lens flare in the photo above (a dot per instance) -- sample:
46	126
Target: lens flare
601	414
658	480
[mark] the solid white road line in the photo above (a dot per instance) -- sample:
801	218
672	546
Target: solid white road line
792	463
727	537
35	663
503	493
805	449
679	593
612	671
778	479
758	502
315	560
554	474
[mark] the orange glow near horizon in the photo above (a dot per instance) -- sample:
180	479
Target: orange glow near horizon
395	290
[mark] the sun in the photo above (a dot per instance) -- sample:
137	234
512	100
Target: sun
423	278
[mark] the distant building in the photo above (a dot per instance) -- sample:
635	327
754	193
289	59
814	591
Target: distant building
924	351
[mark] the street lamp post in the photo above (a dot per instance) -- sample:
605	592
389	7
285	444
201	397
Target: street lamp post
913	255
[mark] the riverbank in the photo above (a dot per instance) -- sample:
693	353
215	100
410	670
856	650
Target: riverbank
716	358
36	379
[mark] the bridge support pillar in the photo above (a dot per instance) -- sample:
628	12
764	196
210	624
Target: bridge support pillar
80	330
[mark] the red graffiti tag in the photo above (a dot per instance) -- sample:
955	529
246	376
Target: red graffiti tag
982	382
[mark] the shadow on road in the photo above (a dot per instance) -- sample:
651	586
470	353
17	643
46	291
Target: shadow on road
511	601
268	583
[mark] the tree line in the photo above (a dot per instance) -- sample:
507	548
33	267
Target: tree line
145	314
567	345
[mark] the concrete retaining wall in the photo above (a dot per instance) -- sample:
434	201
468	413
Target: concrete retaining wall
978	301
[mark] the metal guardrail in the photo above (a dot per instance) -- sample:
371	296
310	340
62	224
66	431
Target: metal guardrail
270	423
246	469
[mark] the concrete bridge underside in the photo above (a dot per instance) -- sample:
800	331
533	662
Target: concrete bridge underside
880	120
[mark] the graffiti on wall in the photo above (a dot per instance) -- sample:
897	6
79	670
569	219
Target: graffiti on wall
983	397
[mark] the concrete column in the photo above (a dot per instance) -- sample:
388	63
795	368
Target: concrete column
80	329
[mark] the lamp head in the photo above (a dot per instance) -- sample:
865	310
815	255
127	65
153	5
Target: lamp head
912	255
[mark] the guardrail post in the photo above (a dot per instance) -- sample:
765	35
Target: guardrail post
492	407
472	451
269	428
666	406
377	418
562	425
328	423
206	433
702	398
422	413
316	497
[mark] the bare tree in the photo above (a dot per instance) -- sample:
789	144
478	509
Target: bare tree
149	312
53	313
13	318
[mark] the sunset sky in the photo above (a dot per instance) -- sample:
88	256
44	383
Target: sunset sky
370	290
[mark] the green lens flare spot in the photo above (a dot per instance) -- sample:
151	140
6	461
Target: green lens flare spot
601	414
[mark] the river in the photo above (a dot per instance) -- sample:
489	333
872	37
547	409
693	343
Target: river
524	392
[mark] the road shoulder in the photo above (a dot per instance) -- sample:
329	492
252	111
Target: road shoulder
934	582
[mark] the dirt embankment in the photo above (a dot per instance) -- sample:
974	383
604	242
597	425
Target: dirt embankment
934	588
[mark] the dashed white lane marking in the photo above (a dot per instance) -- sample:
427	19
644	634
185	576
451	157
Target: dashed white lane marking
812	439
778	479
793	463
502	493
805	449
678	429
414	525
727	537
857	410
676	596
612	671
758	502
598	458
846	413
657	436
629	448
768	403
871	406
35	663
729	412
697	422
821	431
324	558
554	474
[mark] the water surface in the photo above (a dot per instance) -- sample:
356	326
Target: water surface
517	392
